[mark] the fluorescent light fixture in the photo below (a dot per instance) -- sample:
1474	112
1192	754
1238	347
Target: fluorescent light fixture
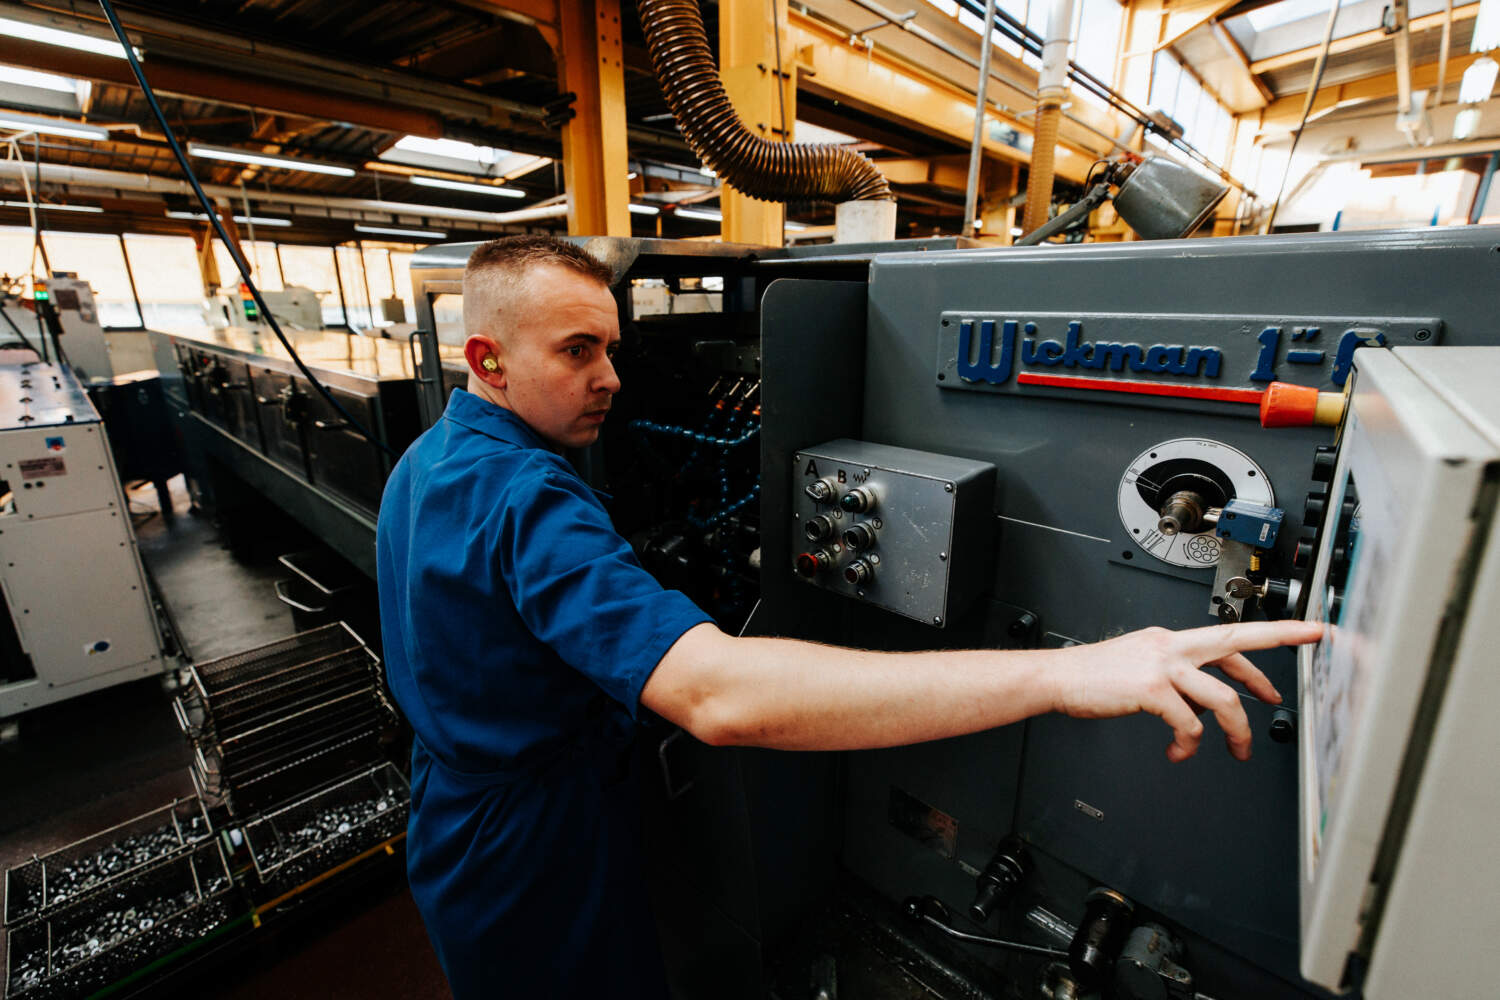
707	171
1015	230
41	81
452	148
254	220
1465	123
644	209
808	132
631	176
438	182
67	39
1479	81
267	160
694	213
1486	27
52	126
795	227
95	209
420	234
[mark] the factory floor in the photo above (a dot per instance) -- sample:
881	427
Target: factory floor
83	765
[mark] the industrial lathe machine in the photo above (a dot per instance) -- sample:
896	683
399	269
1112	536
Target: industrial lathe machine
933	445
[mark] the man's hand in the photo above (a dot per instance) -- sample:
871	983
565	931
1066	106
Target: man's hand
1158	671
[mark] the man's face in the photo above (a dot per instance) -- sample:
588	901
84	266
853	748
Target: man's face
557	357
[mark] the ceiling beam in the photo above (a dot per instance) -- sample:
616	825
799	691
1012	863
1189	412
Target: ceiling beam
1283	113
1358	41
874	81
1186	17
234	89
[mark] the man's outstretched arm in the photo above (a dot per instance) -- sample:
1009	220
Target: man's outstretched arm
792	695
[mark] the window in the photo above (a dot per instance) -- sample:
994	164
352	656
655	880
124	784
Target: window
17	254
260	255
357	308
312	268
98	259
167	281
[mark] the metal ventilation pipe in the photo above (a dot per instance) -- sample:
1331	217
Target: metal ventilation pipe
1052	90
765	170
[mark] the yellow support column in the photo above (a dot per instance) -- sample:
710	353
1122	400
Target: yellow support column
748	31
595	163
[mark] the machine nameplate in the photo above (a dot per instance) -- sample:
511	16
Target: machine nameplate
986	351
920	821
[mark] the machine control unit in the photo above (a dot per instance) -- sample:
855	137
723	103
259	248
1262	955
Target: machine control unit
879	524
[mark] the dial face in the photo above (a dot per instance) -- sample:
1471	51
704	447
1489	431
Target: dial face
1210	470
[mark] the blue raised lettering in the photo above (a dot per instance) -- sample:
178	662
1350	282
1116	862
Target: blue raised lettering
983	367
1265	364
1343	359
1115	356
1204	361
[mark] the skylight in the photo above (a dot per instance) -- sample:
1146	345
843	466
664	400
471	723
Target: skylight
1285	12
451	148
816	133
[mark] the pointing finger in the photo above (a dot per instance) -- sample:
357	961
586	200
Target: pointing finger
1215	642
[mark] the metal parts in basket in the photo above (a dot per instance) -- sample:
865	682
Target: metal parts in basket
102	936
269	723
327	828
93	863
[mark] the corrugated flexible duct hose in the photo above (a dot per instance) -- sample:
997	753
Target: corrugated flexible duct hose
768	171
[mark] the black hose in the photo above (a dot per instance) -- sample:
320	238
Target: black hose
757	167
217	223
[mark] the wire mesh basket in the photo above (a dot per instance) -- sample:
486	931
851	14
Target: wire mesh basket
98	939
321	831
216	676
97	861
271	722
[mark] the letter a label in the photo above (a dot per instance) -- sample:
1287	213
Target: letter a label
812	468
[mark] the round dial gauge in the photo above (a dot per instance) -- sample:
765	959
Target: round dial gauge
1207	473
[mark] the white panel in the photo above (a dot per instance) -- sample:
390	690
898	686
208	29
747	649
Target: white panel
77	596
1417	466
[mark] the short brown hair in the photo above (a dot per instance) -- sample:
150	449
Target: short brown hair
497	272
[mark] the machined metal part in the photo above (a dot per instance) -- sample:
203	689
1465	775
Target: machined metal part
328	827
1100	936
102	937
1183	512
1232	586
96	862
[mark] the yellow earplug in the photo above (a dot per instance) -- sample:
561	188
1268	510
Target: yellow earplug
489	363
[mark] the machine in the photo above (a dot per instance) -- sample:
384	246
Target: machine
933	445
79	615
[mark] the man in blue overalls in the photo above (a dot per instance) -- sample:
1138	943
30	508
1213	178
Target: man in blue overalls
522	638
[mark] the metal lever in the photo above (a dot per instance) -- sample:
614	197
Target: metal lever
932	911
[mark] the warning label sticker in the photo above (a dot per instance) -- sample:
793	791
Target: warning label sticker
41	468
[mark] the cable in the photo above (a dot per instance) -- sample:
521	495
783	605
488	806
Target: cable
217	223
1312	94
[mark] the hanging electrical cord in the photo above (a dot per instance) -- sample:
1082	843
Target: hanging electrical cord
1312	95
218	225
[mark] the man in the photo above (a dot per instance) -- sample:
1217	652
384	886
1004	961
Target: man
522	638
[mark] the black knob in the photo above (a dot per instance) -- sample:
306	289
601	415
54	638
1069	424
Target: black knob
1283	726
1303	556
1277	598
1323	462
1101	935
1023	626
1312	511
1000	878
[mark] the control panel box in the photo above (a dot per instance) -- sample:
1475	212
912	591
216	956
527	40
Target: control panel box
1400	865
903	530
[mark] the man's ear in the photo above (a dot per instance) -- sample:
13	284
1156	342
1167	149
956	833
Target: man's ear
483	355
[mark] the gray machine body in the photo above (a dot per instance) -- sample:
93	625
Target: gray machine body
1208	845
